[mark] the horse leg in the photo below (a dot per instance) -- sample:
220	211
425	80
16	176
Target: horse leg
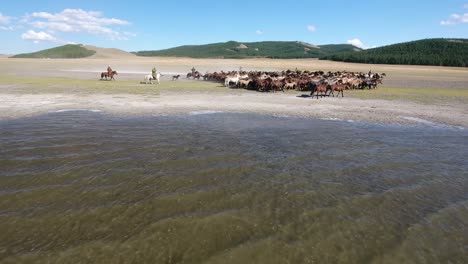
312	91
316	94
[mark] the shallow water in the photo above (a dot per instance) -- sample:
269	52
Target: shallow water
230	188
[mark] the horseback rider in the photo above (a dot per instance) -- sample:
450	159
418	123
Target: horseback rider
109	71
153	72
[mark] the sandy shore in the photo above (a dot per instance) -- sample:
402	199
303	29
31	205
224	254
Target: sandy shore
28	98
378	111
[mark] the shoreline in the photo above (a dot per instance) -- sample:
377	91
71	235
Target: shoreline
173	103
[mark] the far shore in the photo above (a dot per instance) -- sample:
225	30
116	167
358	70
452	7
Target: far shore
410	94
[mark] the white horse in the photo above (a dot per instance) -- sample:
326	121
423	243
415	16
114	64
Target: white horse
149	78
231	79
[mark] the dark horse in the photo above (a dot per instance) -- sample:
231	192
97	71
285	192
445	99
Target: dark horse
194	75
320	88
105	75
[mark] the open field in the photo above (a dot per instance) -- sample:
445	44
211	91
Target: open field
33	86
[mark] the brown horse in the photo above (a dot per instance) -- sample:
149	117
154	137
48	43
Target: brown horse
339	87
320	89
105	75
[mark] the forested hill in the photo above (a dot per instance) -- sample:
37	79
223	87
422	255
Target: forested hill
266	49
70	51
438	52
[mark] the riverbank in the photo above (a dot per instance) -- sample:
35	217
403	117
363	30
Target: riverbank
289	104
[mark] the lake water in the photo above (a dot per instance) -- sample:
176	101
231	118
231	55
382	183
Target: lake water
209	187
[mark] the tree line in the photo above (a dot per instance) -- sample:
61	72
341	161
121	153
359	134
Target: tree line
437	52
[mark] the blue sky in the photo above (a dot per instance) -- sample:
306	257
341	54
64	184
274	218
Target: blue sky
140	25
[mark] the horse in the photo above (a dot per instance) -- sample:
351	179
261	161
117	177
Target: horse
244	83
194	75
149	78
175	77
197	76
263	85
320	88
230	80
339	87
291	85
106	75
277	85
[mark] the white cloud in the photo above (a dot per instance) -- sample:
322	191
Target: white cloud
455	19
9	28
37	36
78	20
4	19
357	42
311	28
259	32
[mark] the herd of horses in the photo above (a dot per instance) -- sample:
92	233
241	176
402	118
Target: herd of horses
319	83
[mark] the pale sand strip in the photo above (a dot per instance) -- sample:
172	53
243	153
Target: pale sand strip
378	111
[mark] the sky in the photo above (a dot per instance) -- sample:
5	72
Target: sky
27	26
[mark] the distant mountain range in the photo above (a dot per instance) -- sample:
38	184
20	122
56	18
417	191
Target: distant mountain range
266	49
439	52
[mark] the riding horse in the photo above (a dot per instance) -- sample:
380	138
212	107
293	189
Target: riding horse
194	75
105	75
149	78
175	77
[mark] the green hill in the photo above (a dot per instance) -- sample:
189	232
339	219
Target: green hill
438	52
69	51
266	49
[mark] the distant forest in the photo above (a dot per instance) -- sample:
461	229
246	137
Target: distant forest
438	52
265	49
